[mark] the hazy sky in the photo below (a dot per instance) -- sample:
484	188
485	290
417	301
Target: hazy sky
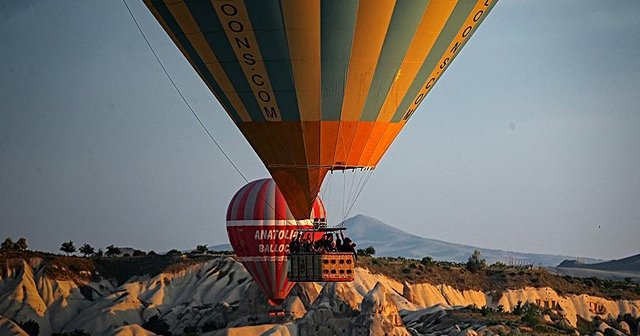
530	141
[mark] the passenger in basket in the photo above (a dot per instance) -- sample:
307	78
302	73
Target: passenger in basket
294	246
349	246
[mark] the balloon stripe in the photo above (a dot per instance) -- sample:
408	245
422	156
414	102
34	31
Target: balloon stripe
250	205
447	34
390	133
203	49
239	30
361	136
406	18
337	24
433	20
268	28
241	213
371	28
235	205
302	24
480	9
167	20
258	207
255	269
272	270
211	26
270	211
230	210
282	281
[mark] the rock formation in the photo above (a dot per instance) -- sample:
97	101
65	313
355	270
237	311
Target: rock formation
218	297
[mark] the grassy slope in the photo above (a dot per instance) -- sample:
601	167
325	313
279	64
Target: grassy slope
496	278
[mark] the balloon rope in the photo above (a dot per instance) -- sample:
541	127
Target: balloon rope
357	189
181	95
360	191
344	187
351	194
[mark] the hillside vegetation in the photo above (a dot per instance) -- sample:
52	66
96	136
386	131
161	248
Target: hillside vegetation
495	277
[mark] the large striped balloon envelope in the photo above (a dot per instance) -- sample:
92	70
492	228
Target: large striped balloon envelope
319	85
260	227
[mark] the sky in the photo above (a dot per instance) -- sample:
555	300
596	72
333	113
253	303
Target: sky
530	142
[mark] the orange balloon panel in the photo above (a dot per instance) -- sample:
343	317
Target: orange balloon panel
319	85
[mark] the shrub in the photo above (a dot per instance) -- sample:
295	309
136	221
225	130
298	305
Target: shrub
369	251
157	325
7	245
517	310
31	327
475	263
531	315
20	245
202	249
139	253
112	251
174	252
427	261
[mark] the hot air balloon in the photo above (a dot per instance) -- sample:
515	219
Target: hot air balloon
260	227
319	85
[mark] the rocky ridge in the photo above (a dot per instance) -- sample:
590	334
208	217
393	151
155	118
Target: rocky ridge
218	297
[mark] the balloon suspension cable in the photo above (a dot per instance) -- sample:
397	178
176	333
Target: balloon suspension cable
181	95
364	178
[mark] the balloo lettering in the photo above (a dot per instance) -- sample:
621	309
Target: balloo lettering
239	37
445	60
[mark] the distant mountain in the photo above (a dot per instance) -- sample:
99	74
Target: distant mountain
221	247
628	264
392	242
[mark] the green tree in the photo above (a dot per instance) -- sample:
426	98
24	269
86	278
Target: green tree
112	251
20	245
202	249
7	245
369	251
475	262
68	247
427	261
87	250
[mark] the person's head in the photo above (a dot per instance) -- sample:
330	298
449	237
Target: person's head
333	244
347	240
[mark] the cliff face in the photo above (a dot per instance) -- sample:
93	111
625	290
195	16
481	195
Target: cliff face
218	297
